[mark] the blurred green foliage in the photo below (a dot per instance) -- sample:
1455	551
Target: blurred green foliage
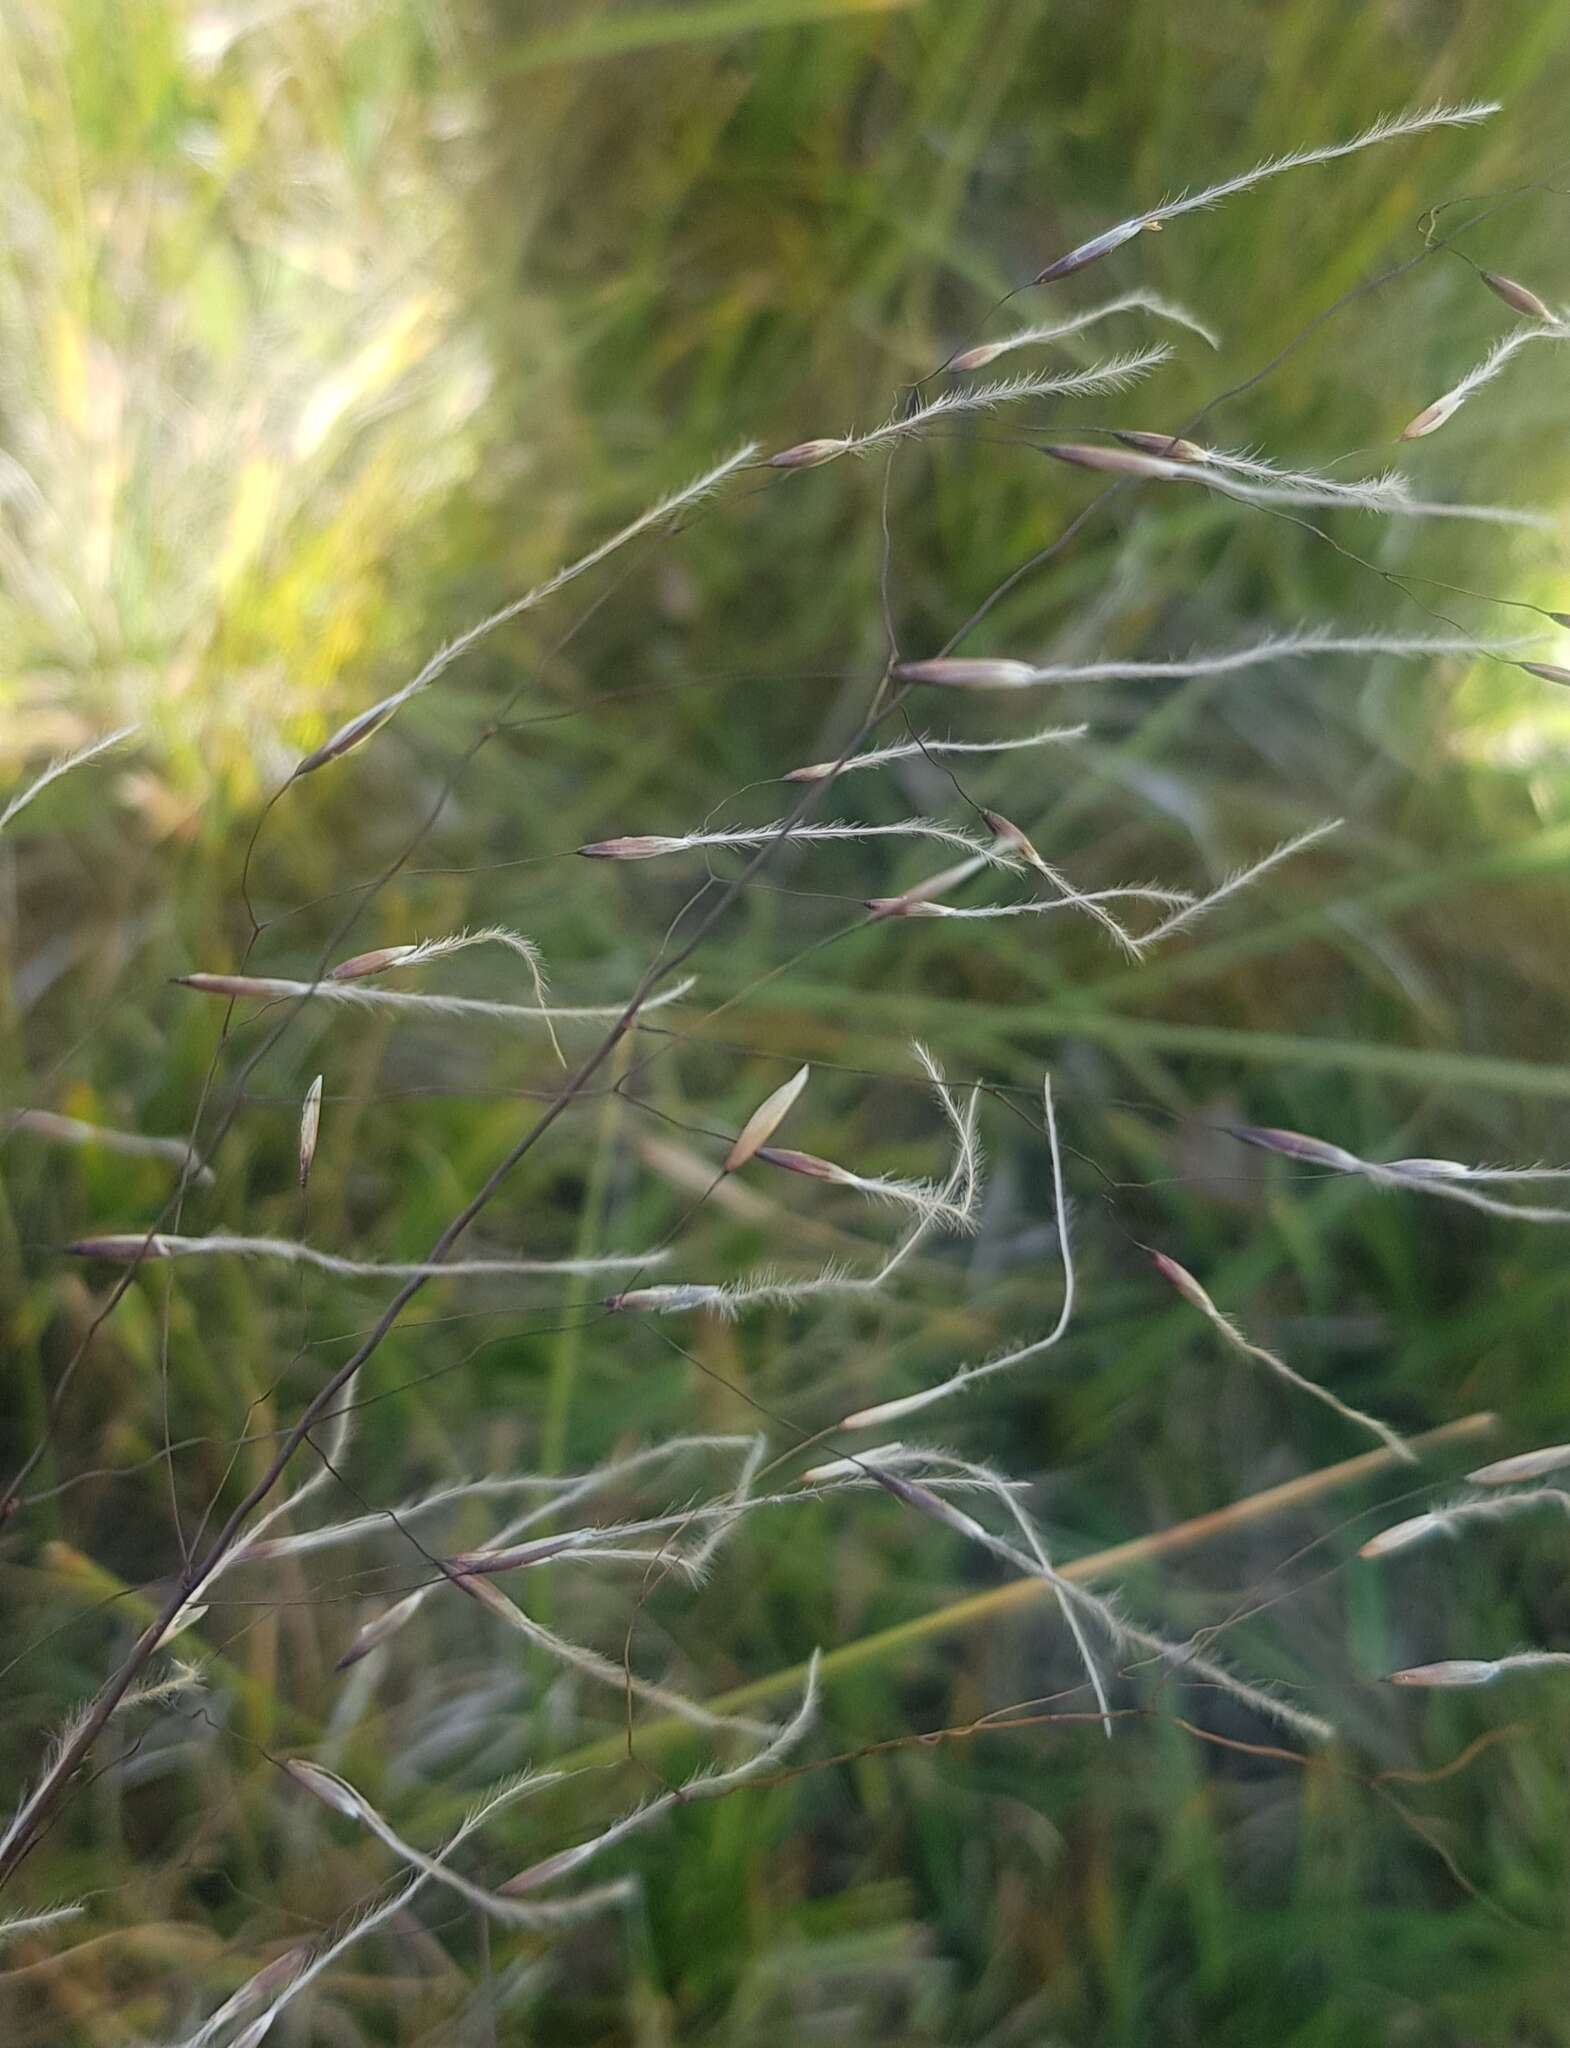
324	332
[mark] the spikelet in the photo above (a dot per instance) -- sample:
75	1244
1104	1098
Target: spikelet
807	454
1115	461
1525	1465
1172	446
765	1120
310	1127
1455	1671
377	961
957	672
1516	296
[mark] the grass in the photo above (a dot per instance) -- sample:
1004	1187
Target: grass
325	342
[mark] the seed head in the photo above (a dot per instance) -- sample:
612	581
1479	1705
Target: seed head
377	961
1167	445
1458	1671
310	1127
1527	1465
328	1787
807	454
1183	1280
638	846
1116	461
1431	418
348	737
1516	296
921	1498
1093	251
956	673
804	1162
378	1630
917	899
765	1120
667	1300
1294	1145
467	1568
977	358
126	1250
1399	1535
908	905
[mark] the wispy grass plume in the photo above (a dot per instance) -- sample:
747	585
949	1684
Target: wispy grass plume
1388	128
1117	374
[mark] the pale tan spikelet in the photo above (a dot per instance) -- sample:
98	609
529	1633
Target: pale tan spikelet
328	1787
1525	1465
1400	1535
1455	1671
310	1127
633	846
912	901
1548	671
959	672
1516	296
380	1629
765	1120
1432	417
221	984
668	1300
1171	446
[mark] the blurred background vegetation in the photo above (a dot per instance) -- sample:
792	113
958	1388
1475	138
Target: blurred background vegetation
323	332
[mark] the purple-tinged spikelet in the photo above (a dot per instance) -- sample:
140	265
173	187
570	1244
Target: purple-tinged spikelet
127	1249
804	1162
1516	296
1114	461
377	961
807	454
1294	1145
1093	251
354	734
